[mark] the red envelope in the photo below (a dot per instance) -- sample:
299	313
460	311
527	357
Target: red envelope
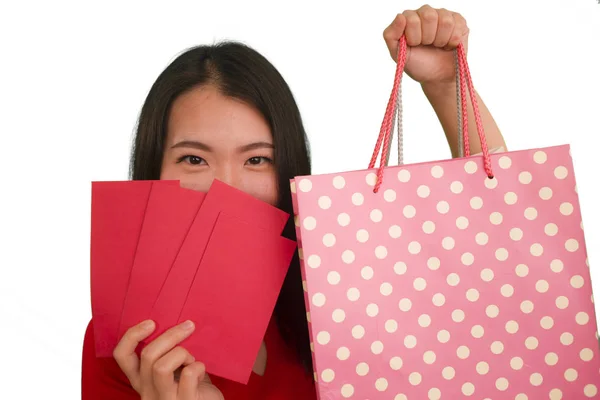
233	295
170	213
220	197
117	213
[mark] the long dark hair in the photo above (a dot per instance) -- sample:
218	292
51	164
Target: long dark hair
239	72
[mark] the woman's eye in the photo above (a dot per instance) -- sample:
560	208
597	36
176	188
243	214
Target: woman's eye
192	160
259	160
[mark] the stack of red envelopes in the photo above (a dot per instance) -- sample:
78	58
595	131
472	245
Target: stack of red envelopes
166	253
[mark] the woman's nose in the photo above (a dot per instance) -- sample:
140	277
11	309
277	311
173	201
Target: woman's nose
228	176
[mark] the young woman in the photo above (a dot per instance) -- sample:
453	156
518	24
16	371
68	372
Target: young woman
224	112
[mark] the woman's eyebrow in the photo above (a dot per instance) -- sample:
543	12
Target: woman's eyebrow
255	146
193	144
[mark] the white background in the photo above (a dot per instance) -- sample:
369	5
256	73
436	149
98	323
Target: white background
73	78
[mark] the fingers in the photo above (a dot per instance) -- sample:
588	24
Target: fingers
125	354
445	27
163	370
190	377
460	32
429	24
392	34
161	346
412	31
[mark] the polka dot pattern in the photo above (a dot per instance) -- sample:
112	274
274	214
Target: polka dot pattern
447	284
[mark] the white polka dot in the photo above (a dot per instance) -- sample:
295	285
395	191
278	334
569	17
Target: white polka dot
371	179
296	220
409	211
424	321
353	294
566	209
358	332
472	295
516	363
420	284
358	199
540	157
501	254
396	363
327	375
512	327
395	231
333	278
339	182
551	359
561	172
405	305
343	219
481	238
415	378
308	316
318	299
329	240
482	368
470	167
338	315
347	390
590	390
556	266
448	243
487	275
348	256
389	195
531	213
434	394
367	273
562	302
391	326
496	218
572	245
376	215
414	247
403	176
443	207
410	342
507	290
305	185
502	384
582	318
497	347
577	281
429	357
456	187
438	299
536	379
343	353
324	202
362	235
453	279
362	369
386	289
532	343
458	316
516	234
545	193
437	171
372	310
423	191
304	286
476	203
428	227
491	183
536	250
381	384
462	223
527	307
443	336
566	339
510	198
555	394
314	261
551	229
571	375
542	286
477	331
467	259
433	263
310	223
468	389
492	311
522	270
376	347
381	252
586	355
323	338
448	373
505	162
400	268
525	178
293	187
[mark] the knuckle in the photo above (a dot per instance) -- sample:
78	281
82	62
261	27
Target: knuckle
161	369
147	354
446	21
429	15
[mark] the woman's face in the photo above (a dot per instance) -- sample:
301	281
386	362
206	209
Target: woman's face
210	136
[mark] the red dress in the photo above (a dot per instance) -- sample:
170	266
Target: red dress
284	378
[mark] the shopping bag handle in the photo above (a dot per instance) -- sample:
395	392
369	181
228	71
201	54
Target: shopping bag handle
394	112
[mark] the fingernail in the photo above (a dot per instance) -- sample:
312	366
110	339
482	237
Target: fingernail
147	325
187	325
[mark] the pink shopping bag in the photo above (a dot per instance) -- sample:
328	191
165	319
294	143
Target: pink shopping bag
463	278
